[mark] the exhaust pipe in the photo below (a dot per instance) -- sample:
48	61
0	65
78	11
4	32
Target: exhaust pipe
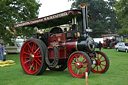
84	17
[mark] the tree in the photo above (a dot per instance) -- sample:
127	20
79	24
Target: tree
122	12
14	11
104	19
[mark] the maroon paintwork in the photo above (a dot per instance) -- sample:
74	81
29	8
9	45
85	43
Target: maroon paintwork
65	47
55	41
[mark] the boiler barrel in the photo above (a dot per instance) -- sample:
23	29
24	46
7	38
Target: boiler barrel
87	45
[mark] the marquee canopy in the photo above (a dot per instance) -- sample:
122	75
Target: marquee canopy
51	20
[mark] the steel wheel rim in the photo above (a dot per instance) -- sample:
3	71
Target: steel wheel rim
100	65
117	50
78	65
31	57
126	51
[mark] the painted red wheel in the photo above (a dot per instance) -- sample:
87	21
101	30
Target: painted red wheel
32	57
100	63
79	63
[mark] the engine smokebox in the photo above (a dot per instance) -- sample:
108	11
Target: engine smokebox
87	45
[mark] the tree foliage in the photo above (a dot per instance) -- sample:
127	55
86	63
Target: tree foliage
14	11
122	12
104	19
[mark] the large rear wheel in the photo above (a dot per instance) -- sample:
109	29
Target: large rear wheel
100	63
79	63
32	57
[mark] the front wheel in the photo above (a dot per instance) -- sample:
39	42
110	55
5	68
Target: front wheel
117	49
126	50
100	63
79	63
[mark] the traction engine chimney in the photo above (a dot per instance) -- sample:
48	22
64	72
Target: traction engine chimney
84	17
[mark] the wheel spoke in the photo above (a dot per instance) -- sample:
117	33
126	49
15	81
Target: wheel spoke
94	66
37	62
97	67
26	53
36	66
78	71
79	57
31	67
101	67
30	47
85	64
27	61
27	49
38	56
101	57
97	55
83	60
74	69
73	61
103	60
36	50
73	65
26	57
84	68
102	64
33	46
81	71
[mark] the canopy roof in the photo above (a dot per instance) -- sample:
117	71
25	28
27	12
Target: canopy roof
51	20
109	35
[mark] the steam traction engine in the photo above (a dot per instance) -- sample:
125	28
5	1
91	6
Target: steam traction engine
58	50
110	40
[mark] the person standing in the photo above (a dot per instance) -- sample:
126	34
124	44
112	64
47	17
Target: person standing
100	45
2	50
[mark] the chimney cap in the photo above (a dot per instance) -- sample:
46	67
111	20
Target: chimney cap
83	5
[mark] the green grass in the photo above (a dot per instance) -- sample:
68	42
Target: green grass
117	74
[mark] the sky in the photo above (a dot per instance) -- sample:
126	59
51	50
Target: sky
49	7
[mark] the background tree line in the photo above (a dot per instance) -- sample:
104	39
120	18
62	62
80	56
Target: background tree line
104	18
107	16
14	11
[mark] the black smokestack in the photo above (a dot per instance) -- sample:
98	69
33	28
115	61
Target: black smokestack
84	17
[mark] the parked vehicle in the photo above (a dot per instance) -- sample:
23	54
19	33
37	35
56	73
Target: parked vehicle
122	46
109	40
14	46
58	50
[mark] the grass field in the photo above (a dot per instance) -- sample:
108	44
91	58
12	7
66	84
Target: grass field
116	75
